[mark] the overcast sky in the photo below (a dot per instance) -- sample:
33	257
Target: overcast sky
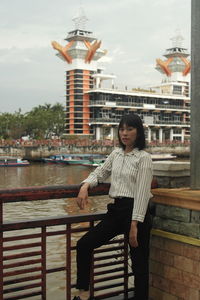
135	33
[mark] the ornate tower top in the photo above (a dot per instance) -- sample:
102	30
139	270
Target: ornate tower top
177	47
83	49
177	40
176	66
80	19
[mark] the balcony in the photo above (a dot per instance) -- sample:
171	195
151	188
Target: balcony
117	104
115	121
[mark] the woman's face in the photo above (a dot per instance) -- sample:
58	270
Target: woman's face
128	135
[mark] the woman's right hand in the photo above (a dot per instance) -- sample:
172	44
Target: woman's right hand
82	199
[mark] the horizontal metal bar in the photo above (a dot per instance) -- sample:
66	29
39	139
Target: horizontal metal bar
114	263
51	221
48	192
56	270
108	256
24	271
106	278
108	286
22	263
22	279
109	249
22	246
22	255
24	296
109	271
22	237
118	240
23	287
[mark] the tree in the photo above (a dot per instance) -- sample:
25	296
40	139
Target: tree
42	121
45	120
12	125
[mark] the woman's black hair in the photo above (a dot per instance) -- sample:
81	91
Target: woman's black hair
133	120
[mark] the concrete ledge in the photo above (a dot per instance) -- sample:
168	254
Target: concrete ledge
171	168
172	174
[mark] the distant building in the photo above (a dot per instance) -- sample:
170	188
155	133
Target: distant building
92	110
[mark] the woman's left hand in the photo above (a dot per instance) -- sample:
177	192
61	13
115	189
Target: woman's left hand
133	234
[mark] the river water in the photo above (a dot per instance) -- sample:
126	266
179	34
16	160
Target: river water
39	174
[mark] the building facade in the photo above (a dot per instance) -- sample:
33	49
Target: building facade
95	111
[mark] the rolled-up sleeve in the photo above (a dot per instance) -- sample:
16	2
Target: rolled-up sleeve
142	192
101	173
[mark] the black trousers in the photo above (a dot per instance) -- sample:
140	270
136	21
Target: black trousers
117	221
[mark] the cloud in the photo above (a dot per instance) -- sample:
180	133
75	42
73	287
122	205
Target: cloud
135	33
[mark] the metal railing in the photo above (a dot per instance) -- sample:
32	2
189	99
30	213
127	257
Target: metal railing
24	262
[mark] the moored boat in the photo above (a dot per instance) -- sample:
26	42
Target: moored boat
75	159
13	162
162	156
56	159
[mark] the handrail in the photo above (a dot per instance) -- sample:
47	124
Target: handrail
48	192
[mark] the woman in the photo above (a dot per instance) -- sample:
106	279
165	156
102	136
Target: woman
130	168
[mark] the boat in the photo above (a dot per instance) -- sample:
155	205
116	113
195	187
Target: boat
56	159
75	159
13	162
162	156
92	163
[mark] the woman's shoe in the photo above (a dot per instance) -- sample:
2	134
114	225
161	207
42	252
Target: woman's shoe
79	298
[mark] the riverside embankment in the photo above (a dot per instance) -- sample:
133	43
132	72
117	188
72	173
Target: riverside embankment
36	152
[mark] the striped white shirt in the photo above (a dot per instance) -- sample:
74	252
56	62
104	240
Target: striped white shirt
131	176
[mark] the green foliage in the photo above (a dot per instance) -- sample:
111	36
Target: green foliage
42	121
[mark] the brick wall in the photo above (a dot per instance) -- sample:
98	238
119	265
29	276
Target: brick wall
175	246
175	270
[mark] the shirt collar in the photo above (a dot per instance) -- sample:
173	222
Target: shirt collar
135	151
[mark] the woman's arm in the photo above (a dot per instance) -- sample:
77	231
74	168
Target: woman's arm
82	198
99	175
133	234
142	192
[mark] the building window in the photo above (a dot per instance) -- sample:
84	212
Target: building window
78	91
177	89
78	85
78	71
78	97
78	76
78	108
80	103
78	131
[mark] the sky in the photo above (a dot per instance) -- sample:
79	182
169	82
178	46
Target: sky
134	32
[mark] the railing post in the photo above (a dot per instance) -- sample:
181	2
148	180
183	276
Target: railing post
44	267
1	250
125	268
92	270
68	262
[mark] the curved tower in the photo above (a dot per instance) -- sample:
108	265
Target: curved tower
81	54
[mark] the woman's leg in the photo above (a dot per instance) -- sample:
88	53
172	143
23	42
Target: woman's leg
140	259
94	238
